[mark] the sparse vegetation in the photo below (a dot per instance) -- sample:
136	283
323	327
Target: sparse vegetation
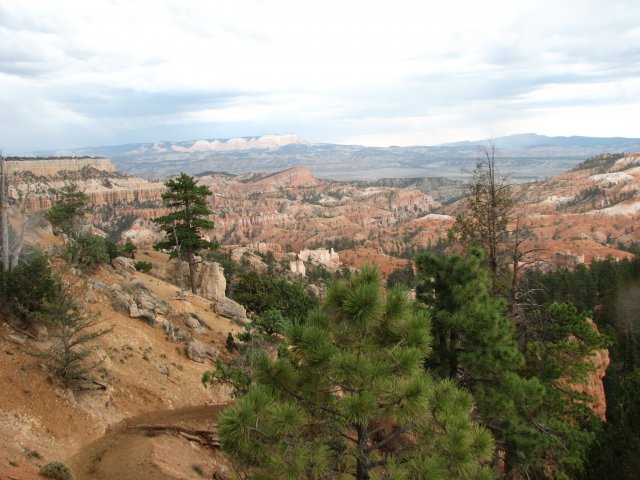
56	471
143	266
601	163
89	251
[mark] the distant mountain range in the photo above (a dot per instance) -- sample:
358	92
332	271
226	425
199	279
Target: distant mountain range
524	156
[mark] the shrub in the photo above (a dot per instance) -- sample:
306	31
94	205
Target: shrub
129	249
57	471
143	266
112	249
89	251
25	289
119	305
231	343
263	293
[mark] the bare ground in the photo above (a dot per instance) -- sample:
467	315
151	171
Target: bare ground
39	422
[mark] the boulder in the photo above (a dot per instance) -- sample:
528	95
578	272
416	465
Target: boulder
148	316
38	331
197	351
91	297
191	322
134	312
209	278
123	264
227	308
297	267
212	353
314	290
209	281
145	300
161	309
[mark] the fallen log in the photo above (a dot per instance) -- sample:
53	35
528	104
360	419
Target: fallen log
207	438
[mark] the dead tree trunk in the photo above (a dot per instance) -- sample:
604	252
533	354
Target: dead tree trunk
4	215
18	245
180	271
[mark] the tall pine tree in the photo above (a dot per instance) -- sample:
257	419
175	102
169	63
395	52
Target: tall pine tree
183	227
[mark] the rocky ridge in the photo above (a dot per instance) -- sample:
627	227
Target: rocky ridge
51	166
101	183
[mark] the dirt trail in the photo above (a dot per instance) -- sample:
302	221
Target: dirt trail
126	453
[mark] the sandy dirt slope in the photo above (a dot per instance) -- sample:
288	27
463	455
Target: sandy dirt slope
128	453
145	370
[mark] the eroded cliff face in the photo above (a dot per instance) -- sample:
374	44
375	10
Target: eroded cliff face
117	201
292	210
594	387
101	187
296	211
52	166
286	211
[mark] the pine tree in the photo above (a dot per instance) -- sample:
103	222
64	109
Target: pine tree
518	377
489	209
67	211
183	227
347	397
72	332
473	339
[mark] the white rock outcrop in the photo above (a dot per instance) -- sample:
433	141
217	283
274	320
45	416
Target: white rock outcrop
297	267
319	255
209	281
142	233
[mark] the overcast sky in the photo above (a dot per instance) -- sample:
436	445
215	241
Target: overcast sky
82	73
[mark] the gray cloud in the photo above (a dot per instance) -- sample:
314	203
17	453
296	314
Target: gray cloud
69	77
123	102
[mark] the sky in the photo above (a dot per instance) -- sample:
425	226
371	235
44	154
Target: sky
100	72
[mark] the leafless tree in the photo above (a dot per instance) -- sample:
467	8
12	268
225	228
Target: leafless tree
4	217
489	221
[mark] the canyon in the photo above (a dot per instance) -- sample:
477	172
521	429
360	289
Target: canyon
307	223
585	213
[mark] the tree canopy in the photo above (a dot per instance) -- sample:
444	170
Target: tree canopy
348	397
519	373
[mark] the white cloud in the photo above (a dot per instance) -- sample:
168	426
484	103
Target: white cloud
374	72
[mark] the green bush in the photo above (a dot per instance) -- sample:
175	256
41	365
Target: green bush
260	294
231	343
112	249
57	471
143	266
25	289
89	251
